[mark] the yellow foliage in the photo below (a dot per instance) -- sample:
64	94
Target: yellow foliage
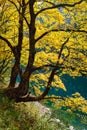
57	83
77	102
73	103
53	26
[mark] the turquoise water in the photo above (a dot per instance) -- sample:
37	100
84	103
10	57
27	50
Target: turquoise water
73	85
77	84
76	119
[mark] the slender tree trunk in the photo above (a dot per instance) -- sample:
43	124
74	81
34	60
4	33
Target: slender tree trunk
24	84
14	74
17	50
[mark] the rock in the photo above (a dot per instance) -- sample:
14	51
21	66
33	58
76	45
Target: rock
71	128
41	108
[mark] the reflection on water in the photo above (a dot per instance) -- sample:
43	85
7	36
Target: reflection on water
72	120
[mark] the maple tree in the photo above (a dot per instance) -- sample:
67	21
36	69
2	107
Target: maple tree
46	38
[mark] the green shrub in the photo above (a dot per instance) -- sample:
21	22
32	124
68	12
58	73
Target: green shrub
19	116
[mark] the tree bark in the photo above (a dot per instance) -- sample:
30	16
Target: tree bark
17	50
14	74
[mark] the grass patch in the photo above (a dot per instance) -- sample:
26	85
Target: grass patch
19	116
26	116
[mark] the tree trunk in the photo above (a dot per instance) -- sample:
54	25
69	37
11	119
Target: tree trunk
24	84
14	74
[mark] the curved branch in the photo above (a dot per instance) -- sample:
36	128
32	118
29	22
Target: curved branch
41	67
34	98
59	5
18	9
83	72
62	47
53	72
68	53
49	2
28	97
8	43
59	30
73	30
4	63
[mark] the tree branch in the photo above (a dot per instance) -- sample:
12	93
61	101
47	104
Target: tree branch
43	95
59	5
49	2
8	43
62	47
41	67
53	72
18	9
4	63
81	71
59	30
34	98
